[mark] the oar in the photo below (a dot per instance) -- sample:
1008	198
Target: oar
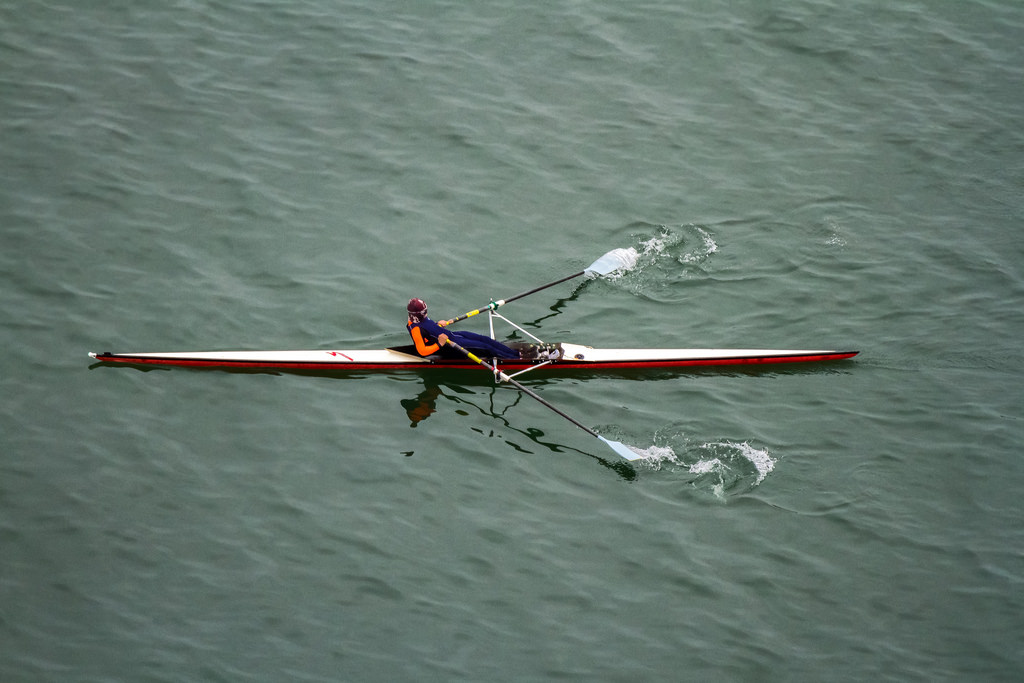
620	448
615	259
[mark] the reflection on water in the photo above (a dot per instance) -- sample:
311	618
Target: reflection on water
425	404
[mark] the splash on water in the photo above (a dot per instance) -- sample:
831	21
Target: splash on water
685	244
835	238
667	258
709	247
760	459
655	454
705	466
719	466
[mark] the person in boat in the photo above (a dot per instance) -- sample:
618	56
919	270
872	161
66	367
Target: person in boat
430	336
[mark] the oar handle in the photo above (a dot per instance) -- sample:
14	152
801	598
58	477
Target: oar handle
489	307
495	304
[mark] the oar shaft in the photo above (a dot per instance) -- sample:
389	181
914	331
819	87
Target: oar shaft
616	259
517	385
495	304
537	289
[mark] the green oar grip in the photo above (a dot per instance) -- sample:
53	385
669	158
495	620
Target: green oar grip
489	307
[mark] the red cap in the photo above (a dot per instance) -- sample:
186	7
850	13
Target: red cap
417	306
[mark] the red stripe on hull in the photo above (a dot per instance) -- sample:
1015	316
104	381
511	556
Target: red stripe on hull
460	365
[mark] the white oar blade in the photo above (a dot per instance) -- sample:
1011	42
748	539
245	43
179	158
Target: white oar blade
622	449
616	259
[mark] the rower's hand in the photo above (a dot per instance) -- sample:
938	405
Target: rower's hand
443	339
445	323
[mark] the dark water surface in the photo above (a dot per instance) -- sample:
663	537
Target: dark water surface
813	174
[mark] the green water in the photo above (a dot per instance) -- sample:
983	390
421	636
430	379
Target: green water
813	174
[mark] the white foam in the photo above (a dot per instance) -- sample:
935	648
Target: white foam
725	458
709	247
705	466
759	458
835	234
725	461
655	245
657	453
672	242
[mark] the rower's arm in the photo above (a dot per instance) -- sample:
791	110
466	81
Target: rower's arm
422	346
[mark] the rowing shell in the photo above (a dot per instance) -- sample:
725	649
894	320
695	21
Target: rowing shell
571	357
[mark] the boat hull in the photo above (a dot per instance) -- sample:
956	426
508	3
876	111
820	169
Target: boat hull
573	357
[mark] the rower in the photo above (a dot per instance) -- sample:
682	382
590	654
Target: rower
430	336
